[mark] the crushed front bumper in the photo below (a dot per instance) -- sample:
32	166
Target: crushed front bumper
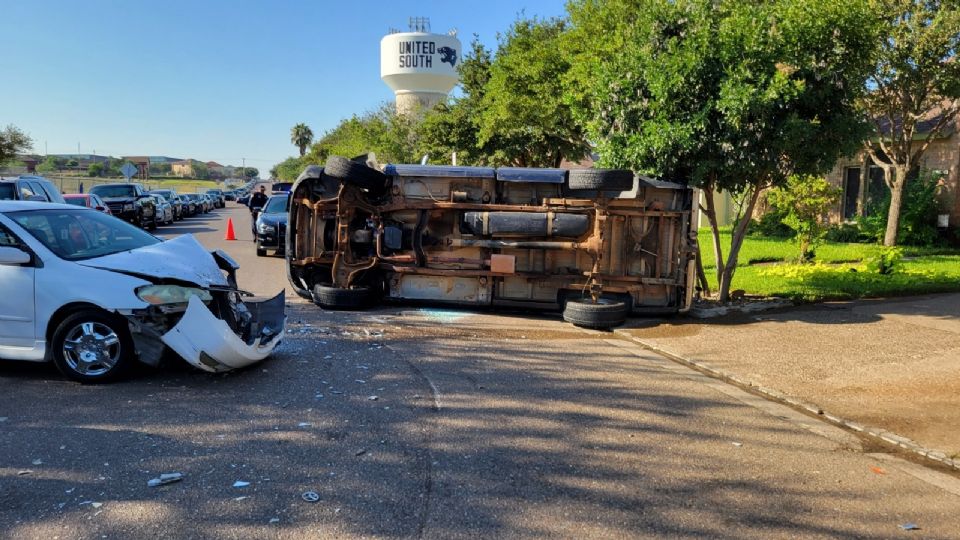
209	343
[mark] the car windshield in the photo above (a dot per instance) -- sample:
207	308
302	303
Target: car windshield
78	234
76	201
165	194
7	191
276	205
114	191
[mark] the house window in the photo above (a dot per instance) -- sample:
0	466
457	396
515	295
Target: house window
851	192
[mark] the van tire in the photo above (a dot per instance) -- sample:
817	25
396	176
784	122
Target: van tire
600	179
357	174
605	313
355	298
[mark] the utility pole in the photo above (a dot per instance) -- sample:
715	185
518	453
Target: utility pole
243	173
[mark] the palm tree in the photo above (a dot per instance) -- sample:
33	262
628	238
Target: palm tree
301	137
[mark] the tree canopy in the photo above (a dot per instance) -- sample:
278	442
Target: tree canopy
301	136
12	142
726	95
914	89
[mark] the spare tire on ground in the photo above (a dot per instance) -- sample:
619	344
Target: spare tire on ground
600	179
330	297
602	314
358	174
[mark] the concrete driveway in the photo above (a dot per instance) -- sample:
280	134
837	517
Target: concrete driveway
893	364
425	423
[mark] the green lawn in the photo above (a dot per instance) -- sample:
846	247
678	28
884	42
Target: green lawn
839	273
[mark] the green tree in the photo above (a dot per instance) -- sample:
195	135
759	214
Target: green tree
95	169
805	203
523	109
288	169
301	136
200	170
12	142
454	126
724	94
251	172
915	79
390	136
51	164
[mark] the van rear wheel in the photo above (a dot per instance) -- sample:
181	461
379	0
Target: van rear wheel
603	314
329	297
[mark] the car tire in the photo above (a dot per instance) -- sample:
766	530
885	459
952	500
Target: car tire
603	314
153	224
357	174
261	252
105	341
354	298
600	179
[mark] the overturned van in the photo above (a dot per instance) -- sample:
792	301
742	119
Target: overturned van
595	244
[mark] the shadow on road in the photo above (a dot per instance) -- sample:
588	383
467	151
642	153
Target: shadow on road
431	429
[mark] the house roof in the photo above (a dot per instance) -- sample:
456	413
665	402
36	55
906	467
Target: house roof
213	164
925	124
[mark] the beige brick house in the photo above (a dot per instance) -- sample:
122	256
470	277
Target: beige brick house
862	182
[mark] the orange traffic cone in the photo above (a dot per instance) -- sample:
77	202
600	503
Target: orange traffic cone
230	235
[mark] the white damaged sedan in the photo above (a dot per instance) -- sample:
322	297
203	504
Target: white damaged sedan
93	294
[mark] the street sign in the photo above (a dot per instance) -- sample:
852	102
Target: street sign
128	170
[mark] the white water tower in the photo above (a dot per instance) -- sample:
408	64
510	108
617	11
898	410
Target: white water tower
420	67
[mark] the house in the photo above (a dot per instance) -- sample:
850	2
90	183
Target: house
862	182
183	168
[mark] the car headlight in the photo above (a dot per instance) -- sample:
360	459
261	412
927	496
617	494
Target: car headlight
265	228
128	207
159	295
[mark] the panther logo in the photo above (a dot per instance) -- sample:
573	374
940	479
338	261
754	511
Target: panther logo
448	56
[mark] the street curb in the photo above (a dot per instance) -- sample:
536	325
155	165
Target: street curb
880	434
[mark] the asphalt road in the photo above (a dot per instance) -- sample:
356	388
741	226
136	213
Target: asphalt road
413	422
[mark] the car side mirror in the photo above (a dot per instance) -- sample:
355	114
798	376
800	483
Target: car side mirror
12	256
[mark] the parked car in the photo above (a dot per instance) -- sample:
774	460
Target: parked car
281	187
271	225
129	202
230	196
172	198
29	188
88	200
164	210
244	199
189	207
216	194
207	202
194	202
121	296
596	244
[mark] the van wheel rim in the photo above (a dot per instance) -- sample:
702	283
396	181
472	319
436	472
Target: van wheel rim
91	348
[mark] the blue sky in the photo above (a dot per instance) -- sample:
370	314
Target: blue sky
208	80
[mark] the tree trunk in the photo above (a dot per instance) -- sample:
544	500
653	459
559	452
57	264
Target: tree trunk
711	212
896	202
701	275
739	234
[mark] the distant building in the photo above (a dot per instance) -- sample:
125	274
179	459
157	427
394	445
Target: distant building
183	168
83	160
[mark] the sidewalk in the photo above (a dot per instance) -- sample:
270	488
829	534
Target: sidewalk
890	364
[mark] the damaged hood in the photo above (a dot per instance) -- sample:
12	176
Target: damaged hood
182	258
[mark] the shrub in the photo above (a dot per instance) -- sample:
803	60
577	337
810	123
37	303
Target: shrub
771	225
888	260
918	215
806	200
844	233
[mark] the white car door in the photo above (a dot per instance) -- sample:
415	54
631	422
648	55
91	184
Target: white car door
17	310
